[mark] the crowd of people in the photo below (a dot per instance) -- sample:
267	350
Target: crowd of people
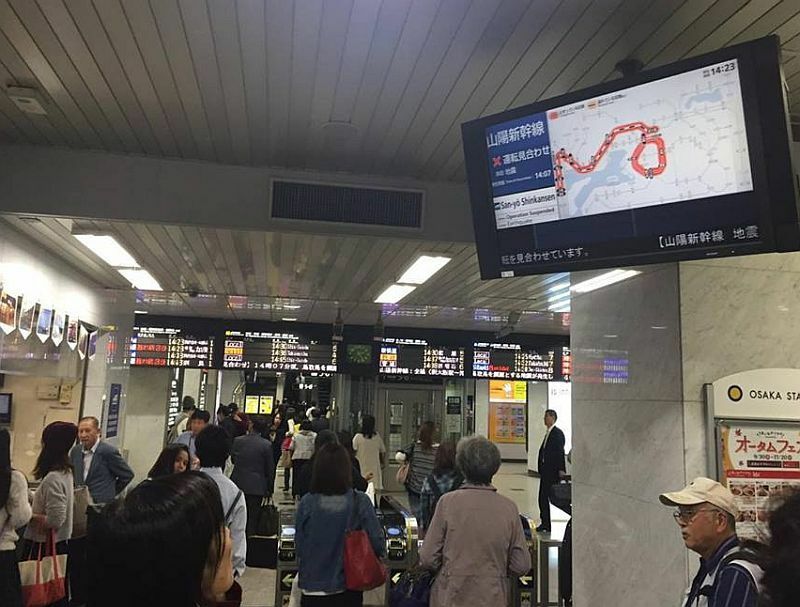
180	537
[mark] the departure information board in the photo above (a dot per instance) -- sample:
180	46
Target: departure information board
277	352
170	347
418	357
512	361
566	363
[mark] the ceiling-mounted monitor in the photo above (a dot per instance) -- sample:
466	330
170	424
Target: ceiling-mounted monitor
687	161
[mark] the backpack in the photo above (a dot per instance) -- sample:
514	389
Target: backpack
747	556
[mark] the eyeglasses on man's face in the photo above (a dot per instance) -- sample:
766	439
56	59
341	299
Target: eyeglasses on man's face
686	516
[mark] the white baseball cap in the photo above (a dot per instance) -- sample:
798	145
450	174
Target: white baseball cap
699	491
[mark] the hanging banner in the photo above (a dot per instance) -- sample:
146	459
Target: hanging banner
44	324
8	312
27	316
83	341
93	336
759	461
57	332
73	330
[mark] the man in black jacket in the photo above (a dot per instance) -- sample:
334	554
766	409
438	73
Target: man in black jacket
551	466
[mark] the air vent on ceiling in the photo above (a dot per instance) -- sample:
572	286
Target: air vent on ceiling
345	204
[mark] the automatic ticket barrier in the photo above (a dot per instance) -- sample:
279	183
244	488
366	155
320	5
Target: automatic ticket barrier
402	536
523	588
286	568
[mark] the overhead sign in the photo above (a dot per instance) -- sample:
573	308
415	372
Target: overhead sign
772	394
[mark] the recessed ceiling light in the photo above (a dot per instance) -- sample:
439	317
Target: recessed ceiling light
141	279
289	319
394	294
422	269
604	280
108	249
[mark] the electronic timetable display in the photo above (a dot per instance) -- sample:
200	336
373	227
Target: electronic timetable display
672	165
272	351
170	347
512	361
400	356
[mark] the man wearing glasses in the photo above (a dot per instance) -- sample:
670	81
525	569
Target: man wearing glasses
706	513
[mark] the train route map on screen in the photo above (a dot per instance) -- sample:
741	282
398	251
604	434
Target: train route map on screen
671	140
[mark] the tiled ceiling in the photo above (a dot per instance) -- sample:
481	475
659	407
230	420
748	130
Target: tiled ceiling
307	277
365	86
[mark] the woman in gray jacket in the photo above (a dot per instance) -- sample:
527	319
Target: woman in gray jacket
53	500
474	568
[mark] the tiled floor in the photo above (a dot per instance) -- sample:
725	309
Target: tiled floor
512	481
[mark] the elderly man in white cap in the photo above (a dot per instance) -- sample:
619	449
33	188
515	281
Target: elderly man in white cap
728	577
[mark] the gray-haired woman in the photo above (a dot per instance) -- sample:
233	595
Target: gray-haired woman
474	568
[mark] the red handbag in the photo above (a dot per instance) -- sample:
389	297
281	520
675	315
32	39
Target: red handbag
362	569
43	578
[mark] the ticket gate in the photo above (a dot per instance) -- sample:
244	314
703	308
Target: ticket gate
402	538
523	588
286	568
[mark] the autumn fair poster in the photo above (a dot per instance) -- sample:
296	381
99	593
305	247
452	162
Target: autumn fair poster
759	462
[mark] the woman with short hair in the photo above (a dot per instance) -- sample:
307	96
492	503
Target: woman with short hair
323	517
473	569
53	501
165	543
173	459
15	511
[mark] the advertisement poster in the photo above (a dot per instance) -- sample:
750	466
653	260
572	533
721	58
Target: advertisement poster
57	333
27	316
507	423
265	404
501	391
83	341
251	404
112	415
8	312
44	323
72	332
759	461
452	420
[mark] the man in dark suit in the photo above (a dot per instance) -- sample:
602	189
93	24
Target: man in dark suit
98	465
253	469
551	466
101	468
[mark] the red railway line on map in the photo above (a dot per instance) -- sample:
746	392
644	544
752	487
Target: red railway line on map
650	136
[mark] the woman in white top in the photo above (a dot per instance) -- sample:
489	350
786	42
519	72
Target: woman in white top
53	501
301	448
370	452
15	511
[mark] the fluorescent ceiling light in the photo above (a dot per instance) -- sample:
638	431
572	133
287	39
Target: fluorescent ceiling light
141	279
141	312
291	307
422	269
559	286
108	249
289	319
394	294
559	307
604	280
561	297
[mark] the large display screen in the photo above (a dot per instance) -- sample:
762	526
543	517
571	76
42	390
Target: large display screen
269	351
670	166
512	361
170	347
418	357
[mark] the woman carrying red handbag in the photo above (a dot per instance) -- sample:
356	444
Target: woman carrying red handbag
338	537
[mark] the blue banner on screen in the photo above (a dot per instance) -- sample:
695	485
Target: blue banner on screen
112	412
